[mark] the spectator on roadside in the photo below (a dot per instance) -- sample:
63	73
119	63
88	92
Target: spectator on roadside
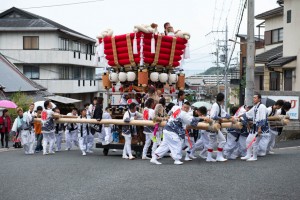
38	130
5	127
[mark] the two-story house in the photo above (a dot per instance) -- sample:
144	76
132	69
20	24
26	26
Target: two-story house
54	56
282	47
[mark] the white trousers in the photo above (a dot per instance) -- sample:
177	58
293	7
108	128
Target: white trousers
90	144
58	139
148	143
263	141
71	138
272	138
170	142
242	146
106	135
127	145
48	137
231	146
27	141
83	142
216	138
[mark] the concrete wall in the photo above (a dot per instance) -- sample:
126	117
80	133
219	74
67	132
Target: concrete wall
13	40
273	23
291	42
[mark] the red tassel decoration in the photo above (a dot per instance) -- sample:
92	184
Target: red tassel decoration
113	89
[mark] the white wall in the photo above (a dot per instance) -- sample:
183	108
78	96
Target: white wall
274	23
14	40
291	41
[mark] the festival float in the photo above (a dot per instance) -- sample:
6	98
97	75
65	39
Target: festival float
137	60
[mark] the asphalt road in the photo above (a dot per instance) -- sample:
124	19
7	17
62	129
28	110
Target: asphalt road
70	176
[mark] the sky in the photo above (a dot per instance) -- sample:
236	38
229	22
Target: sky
198	17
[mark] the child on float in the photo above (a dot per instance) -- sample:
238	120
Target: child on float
128	130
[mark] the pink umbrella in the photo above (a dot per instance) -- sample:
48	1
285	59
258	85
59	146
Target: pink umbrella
7	104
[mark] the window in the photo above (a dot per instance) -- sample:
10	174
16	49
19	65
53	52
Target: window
288	80
32	72
76	46
63	44
274	81
289	16
31	42
64	72
277	35
261	82
76	73
90	73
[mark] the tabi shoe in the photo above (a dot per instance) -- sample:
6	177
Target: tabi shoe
187	158
178	162
146	158
83	153
253	158
105	143
209	157
125	157
154	161
220	157
51	152
192	156
270	152
89	151
45	153
68	149
131	157
202	155
248	155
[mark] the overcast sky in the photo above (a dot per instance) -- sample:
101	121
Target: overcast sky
199	17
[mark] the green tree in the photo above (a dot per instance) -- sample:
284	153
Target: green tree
22	100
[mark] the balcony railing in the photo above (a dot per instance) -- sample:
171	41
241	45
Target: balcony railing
48	56
69	86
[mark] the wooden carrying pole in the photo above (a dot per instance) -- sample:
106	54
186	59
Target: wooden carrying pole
201	125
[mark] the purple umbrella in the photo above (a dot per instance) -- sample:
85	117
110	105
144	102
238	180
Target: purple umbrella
7	104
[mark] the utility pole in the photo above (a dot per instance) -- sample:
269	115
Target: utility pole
217	54
249	91
226	66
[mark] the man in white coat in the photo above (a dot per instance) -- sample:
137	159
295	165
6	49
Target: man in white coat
84	132
22	126
260	131
71	131
174	133
217	113
48	127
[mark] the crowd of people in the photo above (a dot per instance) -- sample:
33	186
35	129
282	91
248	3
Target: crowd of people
256	138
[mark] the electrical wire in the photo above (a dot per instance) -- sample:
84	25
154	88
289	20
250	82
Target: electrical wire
58	5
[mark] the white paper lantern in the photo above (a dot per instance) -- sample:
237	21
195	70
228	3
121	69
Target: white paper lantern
113	77
122	76
131	76
154	76
173	78
163	77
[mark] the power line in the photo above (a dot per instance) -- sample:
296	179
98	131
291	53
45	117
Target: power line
58	5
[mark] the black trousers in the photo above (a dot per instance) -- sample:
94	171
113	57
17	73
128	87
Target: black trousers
4	136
